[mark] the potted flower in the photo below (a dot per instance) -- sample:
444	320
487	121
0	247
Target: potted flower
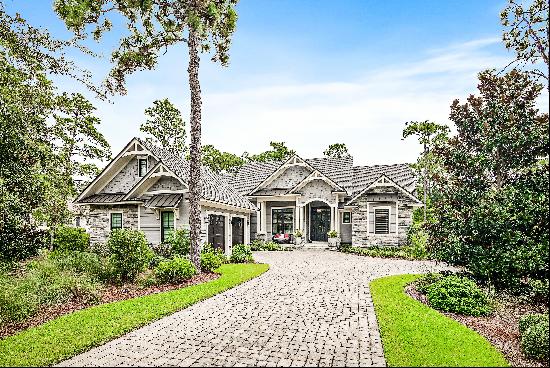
298	237
333	238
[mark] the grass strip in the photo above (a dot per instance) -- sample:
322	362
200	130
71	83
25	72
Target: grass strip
416	335
77	332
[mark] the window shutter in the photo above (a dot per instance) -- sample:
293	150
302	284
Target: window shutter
381	221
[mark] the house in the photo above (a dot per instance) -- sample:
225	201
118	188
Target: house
365	205
144	187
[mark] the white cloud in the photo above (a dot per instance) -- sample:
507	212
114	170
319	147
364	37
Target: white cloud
368	114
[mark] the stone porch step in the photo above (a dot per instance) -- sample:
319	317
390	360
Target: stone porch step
314	245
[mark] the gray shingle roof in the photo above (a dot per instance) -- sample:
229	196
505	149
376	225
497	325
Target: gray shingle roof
352	178
213	187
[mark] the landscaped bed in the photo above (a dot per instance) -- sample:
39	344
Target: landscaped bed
501	327
74	333
414	334
111	293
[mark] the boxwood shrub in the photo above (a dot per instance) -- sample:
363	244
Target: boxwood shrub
71	238
534	336
459	295
211	259
129	253
174	270
241	253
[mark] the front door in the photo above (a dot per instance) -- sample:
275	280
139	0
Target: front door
237	224
216	231
320	223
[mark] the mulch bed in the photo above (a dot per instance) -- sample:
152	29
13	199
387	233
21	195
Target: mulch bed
500	328
110	293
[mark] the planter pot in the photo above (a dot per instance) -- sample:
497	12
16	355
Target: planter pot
298	240
333	242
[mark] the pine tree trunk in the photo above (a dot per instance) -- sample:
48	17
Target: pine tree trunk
194	181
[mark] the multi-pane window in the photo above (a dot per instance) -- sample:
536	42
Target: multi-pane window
116	220
282	220
77	221
346	219
381	221
167	224
142	166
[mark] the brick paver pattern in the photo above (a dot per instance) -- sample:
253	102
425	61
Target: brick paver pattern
312	308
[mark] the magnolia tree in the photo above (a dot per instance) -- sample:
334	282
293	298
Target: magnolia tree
154	25
491	196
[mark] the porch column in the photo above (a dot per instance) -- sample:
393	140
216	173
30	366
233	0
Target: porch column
258	219
264	217
337	220
332	219
296	217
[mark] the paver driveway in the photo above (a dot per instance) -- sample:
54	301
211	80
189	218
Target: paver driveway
311	308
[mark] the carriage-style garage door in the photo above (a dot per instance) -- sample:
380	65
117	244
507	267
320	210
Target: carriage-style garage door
237	224
216	231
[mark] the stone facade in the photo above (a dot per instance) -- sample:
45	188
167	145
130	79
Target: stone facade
363	230
98	221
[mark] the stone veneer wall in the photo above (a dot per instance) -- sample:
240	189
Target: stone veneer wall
98	221
382	196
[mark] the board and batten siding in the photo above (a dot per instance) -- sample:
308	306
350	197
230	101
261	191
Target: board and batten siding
150	221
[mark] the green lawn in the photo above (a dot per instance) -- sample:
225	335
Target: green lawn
74	333
414	334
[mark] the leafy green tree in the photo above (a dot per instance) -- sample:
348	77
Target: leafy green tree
278	152
526	33
491	200
219	161
429	134
165	126
36	154
337	150
153	26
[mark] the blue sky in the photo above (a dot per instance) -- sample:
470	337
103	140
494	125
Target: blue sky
313	73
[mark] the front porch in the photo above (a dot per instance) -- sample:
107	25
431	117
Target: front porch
313	219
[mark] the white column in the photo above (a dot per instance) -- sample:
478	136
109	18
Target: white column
264	217
332	218
337	220
247	229
258	219
298	217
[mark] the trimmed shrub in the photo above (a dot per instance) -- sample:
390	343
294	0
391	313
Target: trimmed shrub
530	320
178	242
211	259
459	295
534	341
174	270
71	238
129	253
423	283
258	245
241	253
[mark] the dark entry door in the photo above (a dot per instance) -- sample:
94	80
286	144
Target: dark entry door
216	231
237	224
320	223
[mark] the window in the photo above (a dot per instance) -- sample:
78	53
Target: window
346	219
142	164
116	220
167	224
381	221
77	221
282	220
